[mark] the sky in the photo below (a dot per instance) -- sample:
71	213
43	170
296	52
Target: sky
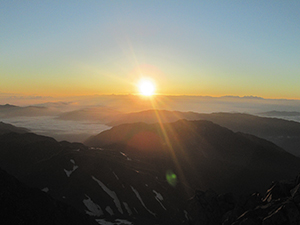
207	48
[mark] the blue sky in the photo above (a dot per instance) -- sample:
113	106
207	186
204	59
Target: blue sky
188	47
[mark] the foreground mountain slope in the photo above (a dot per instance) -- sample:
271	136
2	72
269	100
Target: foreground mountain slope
204	154
145	173
278	205
23	205
103	184
283	133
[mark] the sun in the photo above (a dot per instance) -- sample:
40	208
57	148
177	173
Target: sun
146	87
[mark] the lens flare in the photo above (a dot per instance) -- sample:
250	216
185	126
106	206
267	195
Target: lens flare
171	178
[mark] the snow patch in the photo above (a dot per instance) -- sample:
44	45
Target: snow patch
143	204
111	193
116	222
109	210
93	208
119	222
45	189
127	208
104	222
159	198
69	172
122	153
95	148
186	214
116	176
158	195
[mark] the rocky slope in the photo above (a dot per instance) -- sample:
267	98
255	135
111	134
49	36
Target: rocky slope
20	204
104	184
278	205
144	173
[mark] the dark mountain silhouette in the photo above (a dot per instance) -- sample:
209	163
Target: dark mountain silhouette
283	133
279	205
7	106
203	154
104	184
20	204
7	128
144	173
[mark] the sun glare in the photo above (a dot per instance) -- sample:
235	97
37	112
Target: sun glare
146	87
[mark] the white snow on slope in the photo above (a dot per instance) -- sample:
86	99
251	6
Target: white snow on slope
186	215
69	172
111	193
139	197
93	208
159	198
45	189
109	210
116	176
127	208
122	153
104	222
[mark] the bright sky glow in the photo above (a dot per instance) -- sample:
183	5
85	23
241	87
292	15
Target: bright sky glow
211	48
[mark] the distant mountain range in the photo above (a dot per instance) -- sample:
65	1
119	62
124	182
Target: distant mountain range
283	133
13	111
280	113
99	114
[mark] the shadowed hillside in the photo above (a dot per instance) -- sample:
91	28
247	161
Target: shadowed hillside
7	128
145	173
23	205
278	205
104	184
283	133
205	154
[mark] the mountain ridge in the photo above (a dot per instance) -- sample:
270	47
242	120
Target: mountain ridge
204	141
283	133
7	128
